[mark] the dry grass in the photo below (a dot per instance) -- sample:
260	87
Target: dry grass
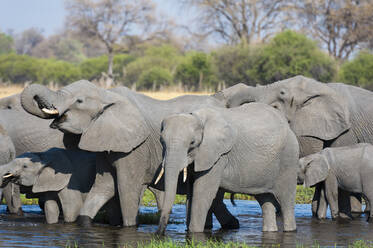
161	95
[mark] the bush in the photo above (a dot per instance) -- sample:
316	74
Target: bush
233	62
164	57
93	68
154	78
289	54
6	44
358	71
196	71
60	72
19	68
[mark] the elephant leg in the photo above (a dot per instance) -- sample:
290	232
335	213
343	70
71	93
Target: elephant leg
101	191
267	203
331	193
344	204
316	200
159	197
129	189
368	200
52	211
356	203
71	202
323	204
12	197
114	212
225	218
285	194
205	188
367	206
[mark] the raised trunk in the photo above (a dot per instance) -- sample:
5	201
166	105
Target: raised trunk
36	98
6	172
174	162
238	94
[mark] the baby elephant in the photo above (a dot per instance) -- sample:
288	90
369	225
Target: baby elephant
349	168
61	177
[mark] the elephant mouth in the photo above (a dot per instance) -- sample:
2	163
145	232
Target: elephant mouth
47	108
57	122
8	177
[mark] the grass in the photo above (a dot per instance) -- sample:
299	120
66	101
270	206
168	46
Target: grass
169	243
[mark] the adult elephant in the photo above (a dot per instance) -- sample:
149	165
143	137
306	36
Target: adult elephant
28	134
321	115
125	127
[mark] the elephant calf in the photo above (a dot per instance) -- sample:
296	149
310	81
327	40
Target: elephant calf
61	177
349	168
249	149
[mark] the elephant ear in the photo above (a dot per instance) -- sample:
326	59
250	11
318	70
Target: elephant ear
119	128
218	138
56	174
324	114
316	171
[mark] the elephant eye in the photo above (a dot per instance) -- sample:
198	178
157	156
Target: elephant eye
309	100
79	101
9	107
24	166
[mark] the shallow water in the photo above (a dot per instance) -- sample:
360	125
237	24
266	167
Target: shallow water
31	231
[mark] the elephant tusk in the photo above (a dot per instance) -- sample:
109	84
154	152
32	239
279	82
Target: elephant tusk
185	174
9	175
159	176
50	111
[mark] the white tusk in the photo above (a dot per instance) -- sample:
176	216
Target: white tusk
50	111
185	174
159	176
9	175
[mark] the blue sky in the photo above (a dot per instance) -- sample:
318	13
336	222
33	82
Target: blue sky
49	15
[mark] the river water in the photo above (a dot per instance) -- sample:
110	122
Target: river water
30	230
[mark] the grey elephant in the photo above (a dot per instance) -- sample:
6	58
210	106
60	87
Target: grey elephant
321	115
61	177
7	154
124	127
28	134
249	149
347	167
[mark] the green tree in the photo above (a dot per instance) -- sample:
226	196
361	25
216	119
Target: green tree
196	71
233	62
289	54
163	57
19	68
6	43
154	78
358	71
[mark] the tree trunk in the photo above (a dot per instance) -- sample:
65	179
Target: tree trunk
109	80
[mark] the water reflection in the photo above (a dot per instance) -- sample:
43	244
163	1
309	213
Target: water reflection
31	231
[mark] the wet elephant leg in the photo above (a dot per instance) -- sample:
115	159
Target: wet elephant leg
322	203
356	203
159	197
344	204
12	197
225	218
114	212
52	211
267	203
101	192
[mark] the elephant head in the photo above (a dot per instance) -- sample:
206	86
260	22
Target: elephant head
105	120
43	173
199	138
313	169
312	108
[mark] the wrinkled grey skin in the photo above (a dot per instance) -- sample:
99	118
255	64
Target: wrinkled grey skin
28	134
321	115
7	154
61	177
249	149
348	167
122	125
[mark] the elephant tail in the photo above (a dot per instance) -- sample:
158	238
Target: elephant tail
232	199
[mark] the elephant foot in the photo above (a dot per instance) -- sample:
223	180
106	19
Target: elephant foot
345	216
84	221
232	224
19	212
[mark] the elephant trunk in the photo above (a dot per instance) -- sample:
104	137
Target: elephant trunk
7	172
38	100
238	94
173	164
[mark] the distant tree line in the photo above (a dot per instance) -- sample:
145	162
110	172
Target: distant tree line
259	42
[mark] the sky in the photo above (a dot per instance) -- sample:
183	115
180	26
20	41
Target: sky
49	15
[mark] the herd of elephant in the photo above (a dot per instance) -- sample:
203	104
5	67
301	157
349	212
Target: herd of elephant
84	148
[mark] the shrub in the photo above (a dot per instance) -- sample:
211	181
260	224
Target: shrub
289	54
358	71
196	71
154	78
19	68
6	44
